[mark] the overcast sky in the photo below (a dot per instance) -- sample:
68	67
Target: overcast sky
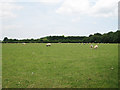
38	18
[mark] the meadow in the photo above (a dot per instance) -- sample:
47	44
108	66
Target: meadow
0	66
63	65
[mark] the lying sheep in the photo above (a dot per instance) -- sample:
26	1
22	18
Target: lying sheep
96	46
48	44
23	43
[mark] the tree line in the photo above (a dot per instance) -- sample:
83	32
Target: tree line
110	37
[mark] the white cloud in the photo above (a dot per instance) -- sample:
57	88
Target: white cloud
49	1
94	22
7	9
104	8
7	0
8	27
42	1
74	6
76	19
98	8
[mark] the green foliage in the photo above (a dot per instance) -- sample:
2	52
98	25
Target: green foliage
110	37
5	39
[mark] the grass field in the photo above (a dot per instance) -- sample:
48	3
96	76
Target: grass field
59	66
0	66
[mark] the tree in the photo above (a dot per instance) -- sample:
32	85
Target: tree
5	39
98	34
110	37
90	35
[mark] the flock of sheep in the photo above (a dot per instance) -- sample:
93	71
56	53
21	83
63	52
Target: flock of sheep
95	47
91	46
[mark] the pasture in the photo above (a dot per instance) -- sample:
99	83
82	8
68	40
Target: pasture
59	66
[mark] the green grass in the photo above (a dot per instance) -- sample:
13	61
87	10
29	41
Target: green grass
59	66
0	66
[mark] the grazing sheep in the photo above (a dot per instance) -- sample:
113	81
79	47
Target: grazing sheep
48	44
91	46
23	43
96	46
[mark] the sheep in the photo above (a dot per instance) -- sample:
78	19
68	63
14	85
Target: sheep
23	43
96	46
48	44
91	46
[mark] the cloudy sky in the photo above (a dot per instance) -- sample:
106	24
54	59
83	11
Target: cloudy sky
38	18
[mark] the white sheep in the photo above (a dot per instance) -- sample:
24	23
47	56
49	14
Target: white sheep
96	46
91	46
48	44
23	43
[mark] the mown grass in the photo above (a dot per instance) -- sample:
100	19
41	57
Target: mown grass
0	66
59	66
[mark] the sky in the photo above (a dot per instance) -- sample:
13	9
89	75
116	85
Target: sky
23	19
